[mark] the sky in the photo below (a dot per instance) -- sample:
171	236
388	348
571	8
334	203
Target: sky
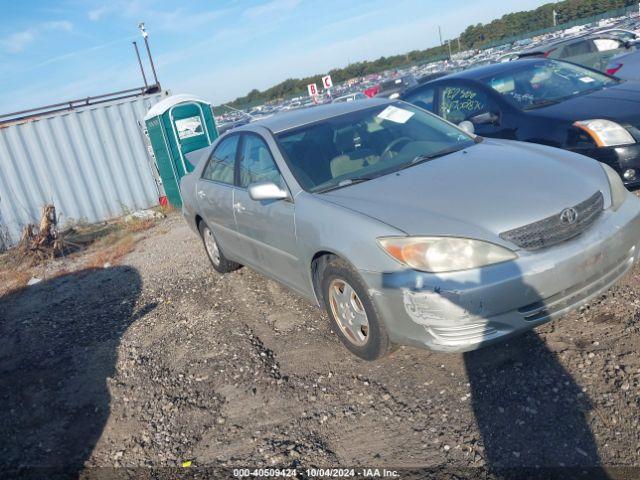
57	50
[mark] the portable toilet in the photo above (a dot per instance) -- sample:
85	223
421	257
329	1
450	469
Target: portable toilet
177	125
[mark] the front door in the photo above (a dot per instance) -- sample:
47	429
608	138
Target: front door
458	103
215	195
266	228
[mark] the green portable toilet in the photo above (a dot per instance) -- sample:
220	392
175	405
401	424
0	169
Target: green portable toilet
177	125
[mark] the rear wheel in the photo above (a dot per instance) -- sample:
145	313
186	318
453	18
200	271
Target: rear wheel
218	260
354	317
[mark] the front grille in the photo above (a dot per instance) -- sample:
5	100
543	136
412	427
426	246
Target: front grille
469	333
551	230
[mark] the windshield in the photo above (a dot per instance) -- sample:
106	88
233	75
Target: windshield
533	84
365	144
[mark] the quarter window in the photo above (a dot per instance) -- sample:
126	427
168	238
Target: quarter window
423	98
256	163
220	167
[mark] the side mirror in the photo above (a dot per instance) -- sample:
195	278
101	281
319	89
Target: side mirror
485	118
467	127
266	191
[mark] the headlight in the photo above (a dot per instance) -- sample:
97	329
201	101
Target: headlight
606	133
617	188
444	254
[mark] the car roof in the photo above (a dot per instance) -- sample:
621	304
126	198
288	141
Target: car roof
543	47
491	69
296	118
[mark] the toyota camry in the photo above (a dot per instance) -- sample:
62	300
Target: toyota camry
406	229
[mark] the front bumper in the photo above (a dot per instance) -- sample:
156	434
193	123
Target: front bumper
618	158
463	311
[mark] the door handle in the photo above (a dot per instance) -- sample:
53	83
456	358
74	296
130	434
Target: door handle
238	207
201	194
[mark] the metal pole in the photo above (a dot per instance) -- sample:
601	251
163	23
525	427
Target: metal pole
449	44
153	68
440	34
555	19
144	77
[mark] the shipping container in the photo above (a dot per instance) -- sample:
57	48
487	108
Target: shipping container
92	162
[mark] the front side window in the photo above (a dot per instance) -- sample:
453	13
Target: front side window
256	163
221	165
607	44
459	103
367	143
535	84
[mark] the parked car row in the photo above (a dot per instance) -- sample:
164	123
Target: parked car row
409	230
544	101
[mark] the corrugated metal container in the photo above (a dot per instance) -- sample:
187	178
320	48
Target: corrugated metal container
92	163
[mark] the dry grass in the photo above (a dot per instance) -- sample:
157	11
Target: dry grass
94	246
168	209
111	251
136	226
13	280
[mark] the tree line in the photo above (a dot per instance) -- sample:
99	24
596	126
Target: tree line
474	36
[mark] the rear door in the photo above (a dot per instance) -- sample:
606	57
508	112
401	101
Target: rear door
266	228
215	194
607	49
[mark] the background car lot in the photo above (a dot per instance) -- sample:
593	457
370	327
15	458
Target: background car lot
236	370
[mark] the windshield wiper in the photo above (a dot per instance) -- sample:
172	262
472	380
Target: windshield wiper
541	103
344	183
430	156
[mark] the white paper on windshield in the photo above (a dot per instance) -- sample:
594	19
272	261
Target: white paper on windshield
587	79
395	114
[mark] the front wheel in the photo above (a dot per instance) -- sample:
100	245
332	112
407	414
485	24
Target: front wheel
354	317
218	260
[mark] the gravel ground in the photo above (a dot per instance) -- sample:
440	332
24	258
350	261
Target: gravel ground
161	360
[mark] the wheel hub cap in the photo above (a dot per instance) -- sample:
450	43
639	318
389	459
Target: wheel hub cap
349	312
212	247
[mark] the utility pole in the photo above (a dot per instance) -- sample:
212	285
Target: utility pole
440	34
459	45
555	18
145	35
449	45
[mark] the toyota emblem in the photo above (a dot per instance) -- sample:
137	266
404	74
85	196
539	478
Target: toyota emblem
568	216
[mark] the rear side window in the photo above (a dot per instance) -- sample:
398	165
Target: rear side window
575	49
422	98
256	163
221	164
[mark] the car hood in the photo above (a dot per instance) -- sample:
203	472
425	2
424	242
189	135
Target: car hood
620	103
479	192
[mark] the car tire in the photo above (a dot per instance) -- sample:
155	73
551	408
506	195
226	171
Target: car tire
219	262
348	306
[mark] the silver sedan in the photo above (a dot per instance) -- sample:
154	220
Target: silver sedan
408	230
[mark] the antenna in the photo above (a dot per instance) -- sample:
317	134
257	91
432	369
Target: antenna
145	35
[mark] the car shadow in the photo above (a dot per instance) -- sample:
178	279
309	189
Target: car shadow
58	347
530	412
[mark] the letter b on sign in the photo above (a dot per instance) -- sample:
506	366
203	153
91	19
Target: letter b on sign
312	89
